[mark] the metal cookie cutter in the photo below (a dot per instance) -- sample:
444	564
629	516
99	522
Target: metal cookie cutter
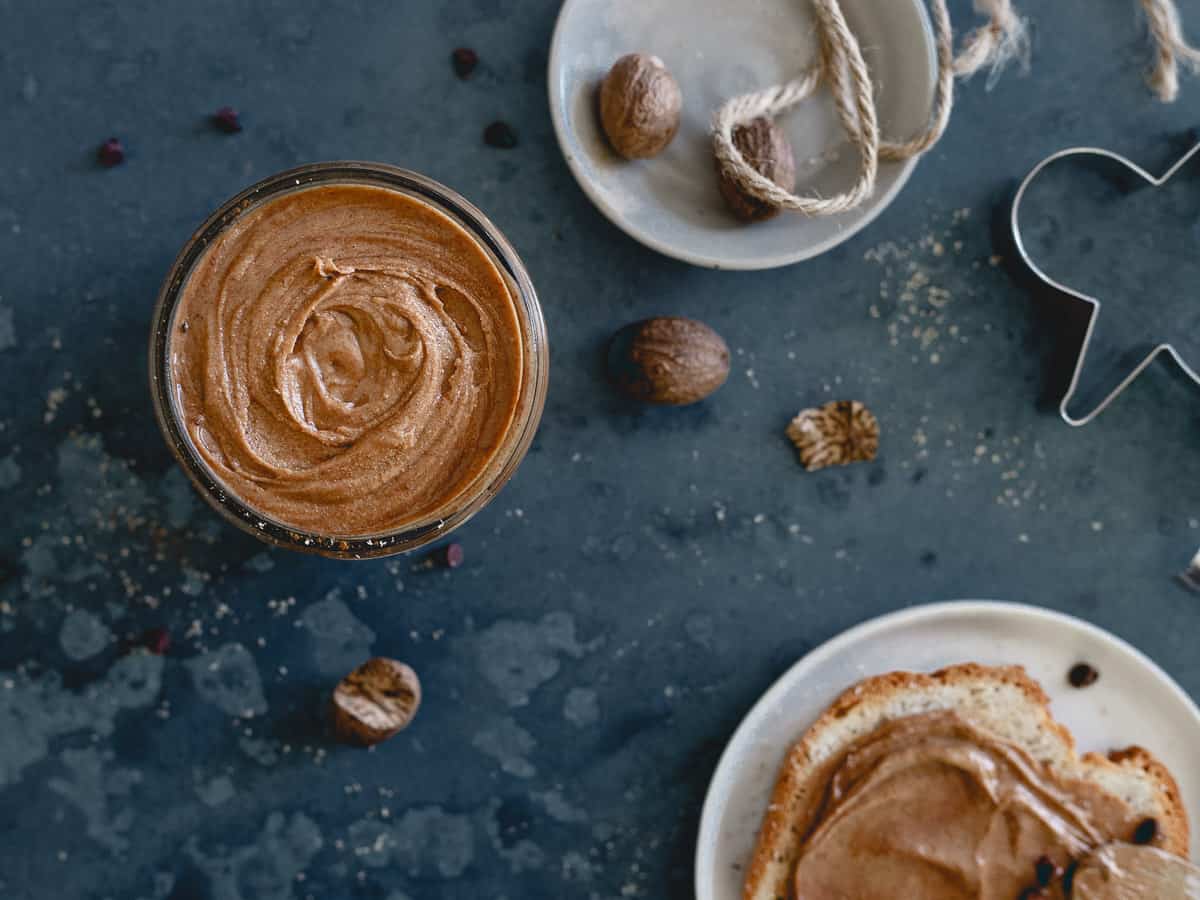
1190	577
1093	302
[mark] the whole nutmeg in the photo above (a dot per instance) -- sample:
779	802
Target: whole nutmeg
639	106
375	701
769	152
668	360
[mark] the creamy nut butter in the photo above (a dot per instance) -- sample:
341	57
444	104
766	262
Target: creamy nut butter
1128	872
929	806
346	359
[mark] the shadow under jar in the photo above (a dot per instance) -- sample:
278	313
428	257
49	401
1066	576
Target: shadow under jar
348	359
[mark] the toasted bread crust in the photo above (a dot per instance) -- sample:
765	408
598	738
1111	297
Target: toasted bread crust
768	875
1175	829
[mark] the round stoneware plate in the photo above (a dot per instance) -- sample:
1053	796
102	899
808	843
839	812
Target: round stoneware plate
718	49
1133	702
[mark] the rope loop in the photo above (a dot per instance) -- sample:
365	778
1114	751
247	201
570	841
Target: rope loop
841	68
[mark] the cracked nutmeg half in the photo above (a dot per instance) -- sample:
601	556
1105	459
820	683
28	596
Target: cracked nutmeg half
835	434
375	701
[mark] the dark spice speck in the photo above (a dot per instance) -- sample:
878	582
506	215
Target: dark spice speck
1045	870
111	153
227	120
464	60
501	135
1146	831
1068	879
1082	675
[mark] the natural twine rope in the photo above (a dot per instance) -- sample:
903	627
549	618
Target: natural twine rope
840	66
1171	48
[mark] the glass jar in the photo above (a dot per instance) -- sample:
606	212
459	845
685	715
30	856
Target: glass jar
495	472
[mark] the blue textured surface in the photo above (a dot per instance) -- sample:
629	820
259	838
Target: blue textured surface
646	574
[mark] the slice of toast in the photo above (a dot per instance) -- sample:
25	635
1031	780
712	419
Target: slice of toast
1003	701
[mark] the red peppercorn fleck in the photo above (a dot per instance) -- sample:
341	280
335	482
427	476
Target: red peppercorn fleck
453	555
448	556
156	640
111	153
501	135
227	120
464	60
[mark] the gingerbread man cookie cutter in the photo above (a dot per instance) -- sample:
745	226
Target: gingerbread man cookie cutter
1147	179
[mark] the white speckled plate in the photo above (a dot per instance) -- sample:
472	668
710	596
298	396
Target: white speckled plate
717	49
1133	702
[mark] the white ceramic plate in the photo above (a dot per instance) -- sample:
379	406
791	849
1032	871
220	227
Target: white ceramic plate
718	49
1133	702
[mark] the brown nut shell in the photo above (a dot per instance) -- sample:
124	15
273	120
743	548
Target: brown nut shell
769	152
835	434
668	360
375	701
640	104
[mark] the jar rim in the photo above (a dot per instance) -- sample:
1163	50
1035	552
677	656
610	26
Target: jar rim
521	430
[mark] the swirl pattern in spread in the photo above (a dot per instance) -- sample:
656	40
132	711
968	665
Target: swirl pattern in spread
347	360
930	806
